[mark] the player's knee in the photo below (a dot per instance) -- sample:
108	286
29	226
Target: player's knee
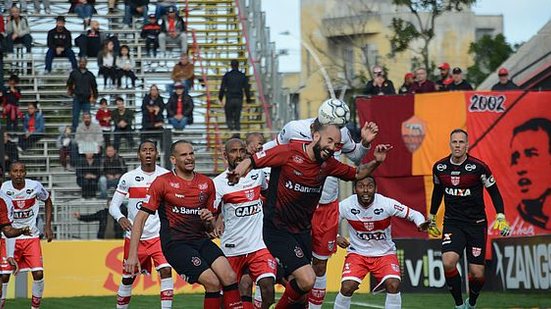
349	287
165	272
319	266
209	280
266	286
306	280
392	286
246	285
449	264
128	280
476	275
228	278
38	275
5	278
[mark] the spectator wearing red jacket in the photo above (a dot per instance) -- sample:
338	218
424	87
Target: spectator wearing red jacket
11	97
150	32
103	116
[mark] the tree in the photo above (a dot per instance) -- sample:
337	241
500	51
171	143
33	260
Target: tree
488	54
425	12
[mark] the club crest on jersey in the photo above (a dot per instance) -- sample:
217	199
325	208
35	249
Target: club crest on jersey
413	133
298	159
476	251
455	180
196	261
203	186
272	264
369	226
261	154
20	204
441	167
175	185
298	252
470	167
249	194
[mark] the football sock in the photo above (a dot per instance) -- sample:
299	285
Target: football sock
393	301
231	297
317	295
247	302
167	293
4	293
38	290
453	280
257	297
212	300
342	302
475	285
291	295
123	296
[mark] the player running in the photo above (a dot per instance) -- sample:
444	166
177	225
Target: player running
241	208
325	223
460	179
27	252
184	200
298	174
135	185
371	248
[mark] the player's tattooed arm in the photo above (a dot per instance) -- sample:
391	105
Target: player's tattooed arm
367	169
10	231
48	232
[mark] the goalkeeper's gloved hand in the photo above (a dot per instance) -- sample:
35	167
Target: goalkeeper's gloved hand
433	228
502	225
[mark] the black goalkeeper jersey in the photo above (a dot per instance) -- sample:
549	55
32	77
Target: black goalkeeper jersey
462	186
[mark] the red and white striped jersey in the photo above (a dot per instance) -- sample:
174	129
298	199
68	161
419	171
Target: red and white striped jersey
299	131
135	185
241	206
369	228
26	204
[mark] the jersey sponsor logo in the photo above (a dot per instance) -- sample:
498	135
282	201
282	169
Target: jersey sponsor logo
378	211
441	167
447	239
455	180
303	135
455	173
178	195
29	191
297	173
298	252
175	185
10	193
476	251
300	188
458	191
185	211
249	210
139	178
261	154
354	211
298	159
254	176
399	207
371	236
413	133
196	261
272	264
23	214
470	167
488	181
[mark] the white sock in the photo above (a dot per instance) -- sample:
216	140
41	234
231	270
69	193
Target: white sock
123	296
38	290
257	303
317	295
342	302
4	294
393	301
167	293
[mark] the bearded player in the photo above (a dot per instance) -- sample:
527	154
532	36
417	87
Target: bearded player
135	185
325	223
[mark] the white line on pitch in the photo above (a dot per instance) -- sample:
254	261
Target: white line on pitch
367	305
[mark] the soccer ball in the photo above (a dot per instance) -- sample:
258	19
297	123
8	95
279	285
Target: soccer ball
334	111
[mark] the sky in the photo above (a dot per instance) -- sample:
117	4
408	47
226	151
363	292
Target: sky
521	19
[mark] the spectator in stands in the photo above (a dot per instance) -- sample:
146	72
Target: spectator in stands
107	64
173	31
10	151
34	126
112	6
84	9
183	72
379	85
408	81
59	45
150	32
125	66
163	6
88	137
103	116
134	7
180	108
504	82
234	84
45	3
64	143
108	227
84	89
10	103
422	84
18	31
152	114
88	173
91	41
112	167
445	78
8	4
122	118
458	82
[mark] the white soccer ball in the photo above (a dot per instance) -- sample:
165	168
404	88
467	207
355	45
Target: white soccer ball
334	111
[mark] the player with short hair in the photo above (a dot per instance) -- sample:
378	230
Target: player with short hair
134	186
26	194
371	248
297	177
240	206
325	220
460	179
184	201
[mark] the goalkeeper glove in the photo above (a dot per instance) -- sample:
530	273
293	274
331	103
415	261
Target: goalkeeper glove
433	229
502	225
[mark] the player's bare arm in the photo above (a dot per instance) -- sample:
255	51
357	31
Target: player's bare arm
240	170
368	132
13	263
208	219
48	226
125	224
137	229
367	169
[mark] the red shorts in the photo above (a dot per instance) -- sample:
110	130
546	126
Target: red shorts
356	267
325	226
149	249
261	264
28	255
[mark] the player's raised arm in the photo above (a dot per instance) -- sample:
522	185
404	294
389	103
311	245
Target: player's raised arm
368	133
367	169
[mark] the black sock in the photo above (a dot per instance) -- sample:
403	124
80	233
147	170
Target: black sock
246	299
453	280
475	285
230	287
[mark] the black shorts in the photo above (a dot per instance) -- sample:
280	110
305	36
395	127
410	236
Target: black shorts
291	251
190	259
459	236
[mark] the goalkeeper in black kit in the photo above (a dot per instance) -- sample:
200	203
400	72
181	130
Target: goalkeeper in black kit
461	179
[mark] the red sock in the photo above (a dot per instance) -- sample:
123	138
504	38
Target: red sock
291	295
212	300
247	302
232	298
